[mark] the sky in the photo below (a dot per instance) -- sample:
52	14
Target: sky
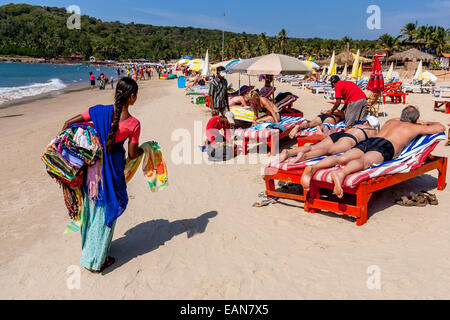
304	19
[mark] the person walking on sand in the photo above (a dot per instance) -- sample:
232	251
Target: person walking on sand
218	91
355	100
92	78
114	125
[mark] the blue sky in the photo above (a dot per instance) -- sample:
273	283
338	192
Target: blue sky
324	19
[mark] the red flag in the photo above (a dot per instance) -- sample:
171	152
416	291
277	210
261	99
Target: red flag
376	82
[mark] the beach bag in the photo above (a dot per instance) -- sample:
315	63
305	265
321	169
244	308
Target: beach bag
222	153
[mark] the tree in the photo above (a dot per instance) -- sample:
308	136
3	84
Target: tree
388	43
282	40
409	31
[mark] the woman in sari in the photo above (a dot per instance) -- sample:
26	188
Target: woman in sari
114	125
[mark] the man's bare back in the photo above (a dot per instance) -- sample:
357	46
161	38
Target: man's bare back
401	133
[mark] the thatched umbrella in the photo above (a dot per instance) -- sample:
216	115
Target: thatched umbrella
412	54
345	57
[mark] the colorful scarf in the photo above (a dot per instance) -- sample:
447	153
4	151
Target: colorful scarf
154	167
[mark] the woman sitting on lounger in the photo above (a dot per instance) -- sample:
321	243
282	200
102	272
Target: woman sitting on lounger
336	143
324	117
260	104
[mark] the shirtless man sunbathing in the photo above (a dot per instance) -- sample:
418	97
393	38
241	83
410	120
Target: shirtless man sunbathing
336	143
260	104
395	135
324	117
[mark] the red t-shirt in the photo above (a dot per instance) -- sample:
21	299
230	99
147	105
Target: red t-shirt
348	91
92	77
213	127
129	128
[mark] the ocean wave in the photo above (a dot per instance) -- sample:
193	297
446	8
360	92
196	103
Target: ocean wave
8	94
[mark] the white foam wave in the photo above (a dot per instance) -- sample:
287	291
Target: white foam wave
8	94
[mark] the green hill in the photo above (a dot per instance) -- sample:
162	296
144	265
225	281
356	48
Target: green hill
41	32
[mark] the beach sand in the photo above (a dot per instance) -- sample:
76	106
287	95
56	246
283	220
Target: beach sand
201	238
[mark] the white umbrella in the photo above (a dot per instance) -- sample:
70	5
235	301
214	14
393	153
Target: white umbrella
419	73
429	76
206	71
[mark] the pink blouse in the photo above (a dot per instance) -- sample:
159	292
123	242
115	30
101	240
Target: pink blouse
128	128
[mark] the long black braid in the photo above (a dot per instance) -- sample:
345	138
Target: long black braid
124	89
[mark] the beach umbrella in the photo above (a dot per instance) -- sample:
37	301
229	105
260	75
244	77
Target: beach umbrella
345	72
360	71
275	64
389	74
206	68
332	67
242	65
376	81
311	65
232	64
429	76
323	73
183	62
355	67
419	73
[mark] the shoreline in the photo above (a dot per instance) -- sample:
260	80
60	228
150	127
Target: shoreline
71	87
33	60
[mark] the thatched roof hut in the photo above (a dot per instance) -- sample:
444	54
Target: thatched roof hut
345	57
412	54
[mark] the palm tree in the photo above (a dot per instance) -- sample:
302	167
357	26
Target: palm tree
388	43
282	40
425	35
438	40
409	31
263	44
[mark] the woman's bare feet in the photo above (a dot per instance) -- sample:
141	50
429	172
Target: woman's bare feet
338	179
294	132
297	159
306	177
282	157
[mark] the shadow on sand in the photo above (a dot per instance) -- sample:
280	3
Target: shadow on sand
149	236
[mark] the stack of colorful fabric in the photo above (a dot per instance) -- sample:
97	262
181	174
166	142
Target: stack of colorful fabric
67	158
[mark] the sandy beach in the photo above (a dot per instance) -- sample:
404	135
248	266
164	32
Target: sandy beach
201	238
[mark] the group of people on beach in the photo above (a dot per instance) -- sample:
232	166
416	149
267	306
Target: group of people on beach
362	145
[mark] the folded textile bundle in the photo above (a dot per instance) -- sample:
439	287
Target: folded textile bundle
73	152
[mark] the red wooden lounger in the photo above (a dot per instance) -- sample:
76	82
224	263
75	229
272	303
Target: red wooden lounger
270	137
314	203
440	103
394	91
361	193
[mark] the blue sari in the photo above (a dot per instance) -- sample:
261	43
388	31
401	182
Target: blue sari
100	215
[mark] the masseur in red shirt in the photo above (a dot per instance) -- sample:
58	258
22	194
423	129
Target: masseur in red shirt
355	100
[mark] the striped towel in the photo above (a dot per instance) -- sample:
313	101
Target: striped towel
245	114
338	127
253	133
411	158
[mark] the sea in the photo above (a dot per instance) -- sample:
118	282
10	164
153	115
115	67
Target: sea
22	81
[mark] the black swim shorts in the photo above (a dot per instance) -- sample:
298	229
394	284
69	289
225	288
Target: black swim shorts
324	117
339	135
380	145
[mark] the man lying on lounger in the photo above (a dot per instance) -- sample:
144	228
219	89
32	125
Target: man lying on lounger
324	117
395	135
336	143
260	104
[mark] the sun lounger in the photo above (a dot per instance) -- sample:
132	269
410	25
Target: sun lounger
395	92
442	102
242	91
269	136
415	160
198	90
438	92
266	92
